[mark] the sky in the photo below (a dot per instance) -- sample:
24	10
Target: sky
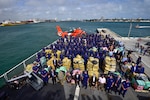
73	9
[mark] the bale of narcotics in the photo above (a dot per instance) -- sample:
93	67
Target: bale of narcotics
78	63
50	63
66	62
109	64
93	64
29	68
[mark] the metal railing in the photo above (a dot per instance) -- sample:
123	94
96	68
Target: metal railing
19	68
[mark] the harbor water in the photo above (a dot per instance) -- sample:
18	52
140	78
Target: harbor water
19	42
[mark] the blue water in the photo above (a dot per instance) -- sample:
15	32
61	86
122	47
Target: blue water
19	42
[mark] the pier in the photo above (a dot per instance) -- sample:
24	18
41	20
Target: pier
130	45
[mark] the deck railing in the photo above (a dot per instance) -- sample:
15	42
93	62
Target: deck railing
19	68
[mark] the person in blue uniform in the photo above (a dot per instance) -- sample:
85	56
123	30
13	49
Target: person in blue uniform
85	79
140	69
124	87
109	83
117	82
44	75
35	69
133	68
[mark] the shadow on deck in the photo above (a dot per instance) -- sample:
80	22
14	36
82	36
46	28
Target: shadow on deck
48	92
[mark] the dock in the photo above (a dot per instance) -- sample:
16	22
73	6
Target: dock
130	45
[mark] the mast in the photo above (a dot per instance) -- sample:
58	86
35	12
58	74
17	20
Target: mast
130	30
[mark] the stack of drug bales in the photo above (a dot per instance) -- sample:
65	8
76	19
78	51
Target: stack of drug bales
66	62
93	66
109	64
78	63
50	62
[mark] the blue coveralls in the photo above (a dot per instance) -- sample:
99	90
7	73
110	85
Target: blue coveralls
125	84
109	83
85	80
117	84
44	75
35	69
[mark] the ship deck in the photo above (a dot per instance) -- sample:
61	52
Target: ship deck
67	92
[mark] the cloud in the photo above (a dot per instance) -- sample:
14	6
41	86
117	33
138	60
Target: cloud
75	9
7	3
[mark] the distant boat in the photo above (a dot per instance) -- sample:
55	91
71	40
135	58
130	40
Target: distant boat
137	26
10	23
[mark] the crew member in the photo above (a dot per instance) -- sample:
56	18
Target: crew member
109	83
35	69
44	75
93	81
140	69
55	62
53	76
77	78
101	82
124	87
85	79
117	83
139	60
